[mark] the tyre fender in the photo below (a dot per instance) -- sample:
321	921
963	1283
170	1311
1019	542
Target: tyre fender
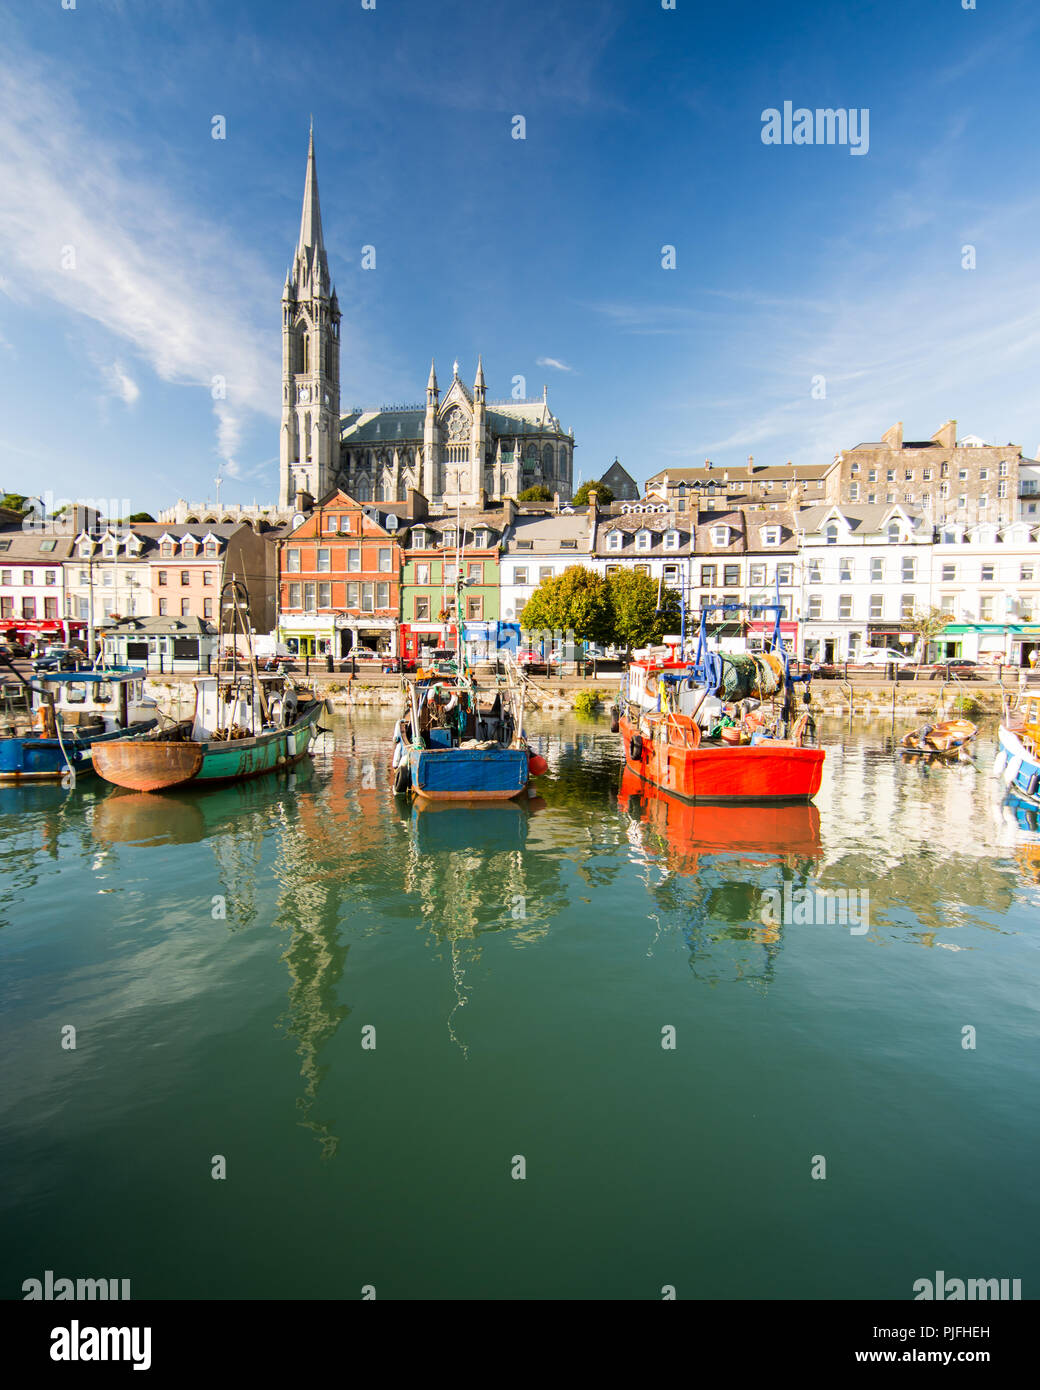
635	748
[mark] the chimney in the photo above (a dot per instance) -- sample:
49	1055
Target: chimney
304	502
509	508
593	515
556	502
894	437
946	435
482	498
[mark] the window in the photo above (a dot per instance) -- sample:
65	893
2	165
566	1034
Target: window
845	606
475	572
332	524
27	578
944	489
5	577
854	468
295	595
908	498
854	492
544	572
163	608
422	572
731	574
831	534
211	551
106	578
47	546
962	501
962	474
422	609
890	475
419	539
207	608
983	474
757	575
185	577
450	573
1002	489
292	562
309	597
720	535
986	609
353	594
987	574
353	559
906	606
529	545
323	566
770	535
1025	608
814	572
166	550
520	574
730	598
448	538
480	539
614	540
844	571
671	574
50	607
946	603
1026	572
185	607
872	476
474	607
385	557
671	540
944	470
325	594
908	475
872	498
927	475
877	606
948	574
642	540
893	533
368	596
983	502
708	576
815	606
1003	470
877	570
383	594
909	569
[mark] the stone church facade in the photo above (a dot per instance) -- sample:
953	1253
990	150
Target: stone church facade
458	449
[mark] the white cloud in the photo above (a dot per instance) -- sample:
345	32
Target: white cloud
553	362
120	385
90	231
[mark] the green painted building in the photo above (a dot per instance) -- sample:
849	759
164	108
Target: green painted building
433	551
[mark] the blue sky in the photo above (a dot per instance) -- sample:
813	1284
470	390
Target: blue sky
643	129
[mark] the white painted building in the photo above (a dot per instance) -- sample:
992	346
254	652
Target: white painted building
988	579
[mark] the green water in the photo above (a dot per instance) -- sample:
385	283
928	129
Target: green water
520	966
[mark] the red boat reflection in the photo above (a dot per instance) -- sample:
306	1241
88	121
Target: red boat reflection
776	831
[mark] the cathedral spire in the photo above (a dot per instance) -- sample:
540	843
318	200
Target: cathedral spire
312	243
431	385
480	372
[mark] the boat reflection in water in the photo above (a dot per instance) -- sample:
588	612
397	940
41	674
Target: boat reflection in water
718	862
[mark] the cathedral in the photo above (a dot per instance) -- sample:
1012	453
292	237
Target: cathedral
458	449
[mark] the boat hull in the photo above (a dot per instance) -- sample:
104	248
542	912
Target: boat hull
31	759
1018	765
468	774
769	771
154	765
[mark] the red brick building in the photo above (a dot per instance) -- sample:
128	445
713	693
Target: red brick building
339	580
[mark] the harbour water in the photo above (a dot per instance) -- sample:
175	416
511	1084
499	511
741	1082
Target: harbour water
612	1055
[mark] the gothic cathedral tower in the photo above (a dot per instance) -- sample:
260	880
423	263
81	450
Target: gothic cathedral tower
309	447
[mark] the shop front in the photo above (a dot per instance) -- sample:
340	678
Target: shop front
308	634
354	634
1002	643
419	638
43	631
760	634
891	637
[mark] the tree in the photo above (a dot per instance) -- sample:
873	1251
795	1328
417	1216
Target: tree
927	626
141	517
538	493
15	502
575	601
603	494
636	619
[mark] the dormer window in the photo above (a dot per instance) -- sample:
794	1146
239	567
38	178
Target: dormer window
419	539
771	535
166	550
671	540
448	538
642	540
615	540
831	534
720	535
893	533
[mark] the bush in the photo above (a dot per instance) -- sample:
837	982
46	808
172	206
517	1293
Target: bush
585	703
967	705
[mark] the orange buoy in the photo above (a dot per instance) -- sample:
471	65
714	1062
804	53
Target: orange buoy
536	764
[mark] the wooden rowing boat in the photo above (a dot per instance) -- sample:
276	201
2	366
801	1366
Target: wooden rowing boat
949	739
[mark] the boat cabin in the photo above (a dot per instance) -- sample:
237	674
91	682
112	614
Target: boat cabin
450	716
241	705
103	700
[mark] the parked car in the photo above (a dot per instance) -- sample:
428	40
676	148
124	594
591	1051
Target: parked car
14	650
884	656
532	660
819	670
958	667
60	659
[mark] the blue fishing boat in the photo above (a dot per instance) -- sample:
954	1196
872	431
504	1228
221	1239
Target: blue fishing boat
454	742
50	724
1018	754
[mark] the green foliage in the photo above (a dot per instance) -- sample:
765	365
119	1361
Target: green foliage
585	703
603	494
576	601
967	705
538	493
635	618
141	517
14	501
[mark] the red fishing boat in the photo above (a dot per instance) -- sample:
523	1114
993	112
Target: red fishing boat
720	728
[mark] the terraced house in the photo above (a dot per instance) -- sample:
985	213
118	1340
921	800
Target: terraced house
339	580
436	551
